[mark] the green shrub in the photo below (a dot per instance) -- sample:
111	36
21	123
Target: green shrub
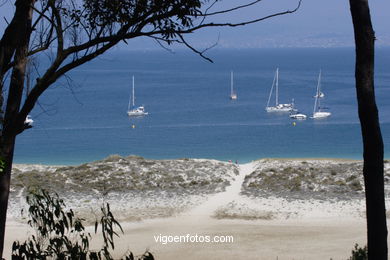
60	235
359	253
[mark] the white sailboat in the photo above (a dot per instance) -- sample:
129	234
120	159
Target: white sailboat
233	95
317	112
135	111
278	107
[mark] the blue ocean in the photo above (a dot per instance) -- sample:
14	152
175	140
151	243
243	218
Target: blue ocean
83	117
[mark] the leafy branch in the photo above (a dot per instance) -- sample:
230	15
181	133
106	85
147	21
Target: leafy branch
61	235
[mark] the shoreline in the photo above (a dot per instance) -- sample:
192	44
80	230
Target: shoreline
240	162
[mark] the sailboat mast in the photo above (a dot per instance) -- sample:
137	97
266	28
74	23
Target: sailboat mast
231	83
128	107
270	93
133	93
319	92
317	96
277	87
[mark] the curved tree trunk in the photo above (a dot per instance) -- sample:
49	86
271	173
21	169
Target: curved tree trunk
16	41
371	133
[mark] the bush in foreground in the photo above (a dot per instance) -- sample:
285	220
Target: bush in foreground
359	253
60	235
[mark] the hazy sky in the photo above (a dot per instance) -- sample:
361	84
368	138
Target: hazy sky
318	23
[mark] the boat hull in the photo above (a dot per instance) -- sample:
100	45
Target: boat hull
140	111
318	115
137	113
298	116
281	108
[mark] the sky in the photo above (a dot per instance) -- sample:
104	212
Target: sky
318	23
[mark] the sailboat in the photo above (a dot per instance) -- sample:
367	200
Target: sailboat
297	115
139	111
317	112
233	95
278	107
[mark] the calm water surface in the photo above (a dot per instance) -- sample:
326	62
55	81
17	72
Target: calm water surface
190	114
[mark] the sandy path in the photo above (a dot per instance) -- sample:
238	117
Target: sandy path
261	239
232	193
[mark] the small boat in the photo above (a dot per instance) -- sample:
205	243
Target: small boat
296	115
233	95
28	121
317	111
278	107
135	111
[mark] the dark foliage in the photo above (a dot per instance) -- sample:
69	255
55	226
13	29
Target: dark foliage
60	235
359	253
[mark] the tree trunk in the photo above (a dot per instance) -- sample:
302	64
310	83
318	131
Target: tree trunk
7	151
371	133
10	40
13	124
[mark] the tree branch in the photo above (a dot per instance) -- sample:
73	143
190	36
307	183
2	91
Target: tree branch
201	53
229	10
52	76
57	26
195	28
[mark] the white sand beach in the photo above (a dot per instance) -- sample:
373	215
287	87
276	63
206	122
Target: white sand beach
319	222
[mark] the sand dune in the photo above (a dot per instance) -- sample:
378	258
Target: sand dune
294	224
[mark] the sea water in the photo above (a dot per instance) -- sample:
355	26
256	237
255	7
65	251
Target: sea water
83	117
